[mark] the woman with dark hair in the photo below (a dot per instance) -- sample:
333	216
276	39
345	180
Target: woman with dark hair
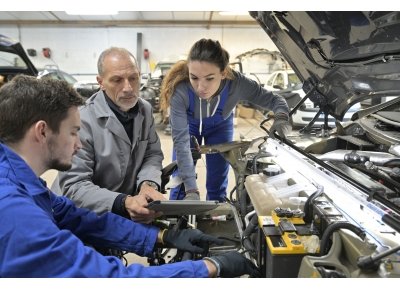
202	93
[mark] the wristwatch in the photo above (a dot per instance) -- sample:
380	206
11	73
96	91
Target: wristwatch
152	184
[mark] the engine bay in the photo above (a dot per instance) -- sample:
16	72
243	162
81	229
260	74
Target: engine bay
312	205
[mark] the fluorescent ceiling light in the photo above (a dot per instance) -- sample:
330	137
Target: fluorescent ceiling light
233	13
92	12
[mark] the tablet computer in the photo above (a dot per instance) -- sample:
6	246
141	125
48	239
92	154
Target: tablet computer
182	207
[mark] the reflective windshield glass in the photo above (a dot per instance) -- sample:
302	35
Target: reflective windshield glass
11	60
293	80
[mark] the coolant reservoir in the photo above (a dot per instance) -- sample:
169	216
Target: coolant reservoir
270	191
263	197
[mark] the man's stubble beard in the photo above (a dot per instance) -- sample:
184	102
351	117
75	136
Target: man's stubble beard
54	162
57	165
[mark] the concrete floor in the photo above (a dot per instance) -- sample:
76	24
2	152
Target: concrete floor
244	128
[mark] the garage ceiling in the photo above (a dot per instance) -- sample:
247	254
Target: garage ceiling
127	18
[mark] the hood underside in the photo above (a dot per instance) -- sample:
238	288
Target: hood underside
342	57
13	47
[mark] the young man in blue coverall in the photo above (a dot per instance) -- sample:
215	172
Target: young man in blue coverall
42	234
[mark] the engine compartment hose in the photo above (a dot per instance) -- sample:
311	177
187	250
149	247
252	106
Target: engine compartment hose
333	228
260	155
251	227
308	212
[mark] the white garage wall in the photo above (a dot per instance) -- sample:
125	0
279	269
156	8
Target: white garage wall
75	50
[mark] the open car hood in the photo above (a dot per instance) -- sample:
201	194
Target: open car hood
13	47
342	57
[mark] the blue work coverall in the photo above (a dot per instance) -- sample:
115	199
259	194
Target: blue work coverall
214	130
43	235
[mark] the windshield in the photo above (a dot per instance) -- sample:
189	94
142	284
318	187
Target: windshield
11	60
293	80
70	79
58	75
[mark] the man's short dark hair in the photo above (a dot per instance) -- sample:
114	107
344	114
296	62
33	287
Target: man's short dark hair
25	100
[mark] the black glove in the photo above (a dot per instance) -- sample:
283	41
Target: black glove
233	264
196	155
281	125
191	240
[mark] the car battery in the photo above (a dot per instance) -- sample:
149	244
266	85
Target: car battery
281	242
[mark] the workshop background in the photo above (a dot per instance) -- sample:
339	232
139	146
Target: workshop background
75	41
72	43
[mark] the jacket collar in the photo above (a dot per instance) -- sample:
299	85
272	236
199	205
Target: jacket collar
103	110
20	172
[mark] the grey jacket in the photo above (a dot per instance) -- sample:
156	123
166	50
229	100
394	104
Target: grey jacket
109	164
242	89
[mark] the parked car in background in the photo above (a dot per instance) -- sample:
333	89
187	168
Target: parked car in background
284	80
150	90
13	60
288	85
53	72
161	69
259	63
85	89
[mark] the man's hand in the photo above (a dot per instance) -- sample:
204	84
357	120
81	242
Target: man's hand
190	240
281	125
150	192
230	265
136	206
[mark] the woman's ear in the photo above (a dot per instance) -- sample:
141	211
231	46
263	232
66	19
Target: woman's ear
224	73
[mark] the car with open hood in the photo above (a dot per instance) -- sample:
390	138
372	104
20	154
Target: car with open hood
85	88
327	200
150	90
53	72
14	60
